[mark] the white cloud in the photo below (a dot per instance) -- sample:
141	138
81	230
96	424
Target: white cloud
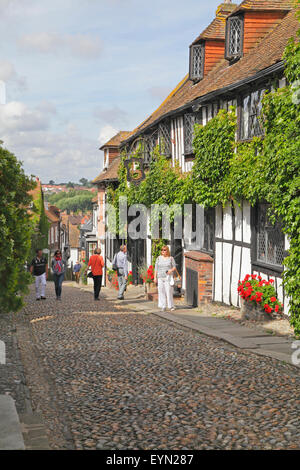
7	70
114	116
16	116
9	74
79	45
63	155
106	133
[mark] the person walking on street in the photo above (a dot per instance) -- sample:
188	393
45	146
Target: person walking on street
165	267
96	262
58	268
120	263
76	271
39	269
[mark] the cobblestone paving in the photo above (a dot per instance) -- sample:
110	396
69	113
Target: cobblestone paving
109	379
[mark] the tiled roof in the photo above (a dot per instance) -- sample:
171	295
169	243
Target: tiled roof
36	191
51	216
111	174
268	52
75	219
74	235
283	5
216	29
116	139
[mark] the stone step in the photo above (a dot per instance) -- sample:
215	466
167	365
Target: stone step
34	432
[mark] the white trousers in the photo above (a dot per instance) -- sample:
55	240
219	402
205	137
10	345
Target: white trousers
40	285
165	293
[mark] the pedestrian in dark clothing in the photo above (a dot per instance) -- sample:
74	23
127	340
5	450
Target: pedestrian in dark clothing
58	268
39	269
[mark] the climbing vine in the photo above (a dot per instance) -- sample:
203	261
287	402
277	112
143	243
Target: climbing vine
263	169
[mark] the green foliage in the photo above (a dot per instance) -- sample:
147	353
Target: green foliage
264	169
39	238
83	275
72	200
156	249
214	148
15	231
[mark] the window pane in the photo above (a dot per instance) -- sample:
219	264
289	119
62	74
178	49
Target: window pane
165	138
255	127
235	37
245	118
270	239
209	229
197	61
189	121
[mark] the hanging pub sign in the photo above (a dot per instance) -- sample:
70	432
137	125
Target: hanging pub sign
135	170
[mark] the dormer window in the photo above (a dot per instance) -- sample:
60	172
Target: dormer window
234	38
197	62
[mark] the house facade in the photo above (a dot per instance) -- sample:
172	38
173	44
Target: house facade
232	63
107	178
54	235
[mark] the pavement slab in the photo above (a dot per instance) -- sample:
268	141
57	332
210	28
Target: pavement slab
10	429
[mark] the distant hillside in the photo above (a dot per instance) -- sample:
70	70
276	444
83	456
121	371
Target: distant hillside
72	200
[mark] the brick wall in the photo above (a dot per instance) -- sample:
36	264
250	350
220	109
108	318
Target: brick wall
203	265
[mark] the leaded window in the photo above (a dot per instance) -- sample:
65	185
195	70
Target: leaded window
151	142
197	54
189	123
209	230
190	119
234	38
251	108
165	138
269	238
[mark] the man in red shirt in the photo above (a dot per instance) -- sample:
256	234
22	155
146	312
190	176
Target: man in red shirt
96	263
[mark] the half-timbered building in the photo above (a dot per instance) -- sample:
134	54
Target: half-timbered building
232	62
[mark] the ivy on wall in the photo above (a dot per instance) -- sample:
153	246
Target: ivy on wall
263	169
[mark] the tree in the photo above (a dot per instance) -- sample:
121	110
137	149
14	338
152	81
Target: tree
70	184
15	231
84	181
51	182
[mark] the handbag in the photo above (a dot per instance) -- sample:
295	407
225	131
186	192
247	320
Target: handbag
177	279
90	274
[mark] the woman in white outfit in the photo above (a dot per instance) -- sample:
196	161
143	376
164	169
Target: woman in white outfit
163	275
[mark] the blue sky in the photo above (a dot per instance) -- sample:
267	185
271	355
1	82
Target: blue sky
78	71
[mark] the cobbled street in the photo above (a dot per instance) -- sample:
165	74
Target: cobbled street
107	378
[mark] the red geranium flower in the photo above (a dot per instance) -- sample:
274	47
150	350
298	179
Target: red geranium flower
273	299
267	308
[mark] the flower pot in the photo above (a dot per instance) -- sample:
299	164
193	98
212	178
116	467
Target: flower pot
254	311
